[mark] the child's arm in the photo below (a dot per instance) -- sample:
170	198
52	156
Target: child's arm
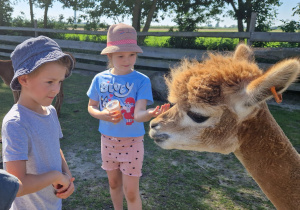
93	109
141	114
63	194
33	183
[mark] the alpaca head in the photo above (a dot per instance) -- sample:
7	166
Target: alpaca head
212	99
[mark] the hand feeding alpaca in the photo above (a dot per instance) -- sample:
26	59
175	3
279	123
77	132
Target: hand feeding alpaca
219	106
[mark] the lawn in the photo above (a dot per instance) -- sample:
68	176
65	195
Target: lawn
171	179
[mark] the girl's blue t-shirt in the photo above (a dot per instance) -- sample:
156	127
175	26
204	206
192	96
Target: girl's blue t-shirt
128	89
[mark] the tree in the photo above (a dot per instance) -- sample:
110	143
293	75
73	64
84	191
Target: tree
296	10
45	4
136	15
150	15
5	13
189	13
266	12
143	12
31	2
76	5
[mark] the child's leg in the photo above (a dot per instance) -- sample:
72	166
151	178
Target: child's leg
132	193
115	188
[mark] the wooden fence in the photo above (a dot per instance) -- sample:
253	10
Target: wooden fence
154	58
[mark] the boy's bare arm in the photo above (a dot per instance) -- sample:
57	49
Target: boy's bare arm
63	194
32	183
65	167
141	114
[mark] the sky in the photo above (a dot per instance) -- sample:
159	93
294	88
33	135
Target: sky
284	13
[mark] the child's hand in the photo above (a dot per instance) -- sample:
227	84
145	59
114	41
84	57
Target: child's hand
157	111
114	116
62	184
63	194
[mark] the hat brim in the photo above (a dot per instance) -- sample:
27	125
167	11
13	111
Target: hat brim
122	48
34	62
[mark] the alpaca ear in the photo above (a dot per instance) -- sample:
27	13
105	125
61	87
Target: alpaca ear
280	76
244	52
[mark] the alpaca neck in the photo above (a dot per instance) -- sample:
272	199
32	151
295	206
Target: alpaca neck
271	160
6	71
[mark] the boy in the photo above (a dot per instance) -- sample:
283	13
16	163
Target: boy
31	130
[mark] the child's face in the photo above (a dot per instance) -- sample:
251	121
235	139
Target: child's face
123	62
41	87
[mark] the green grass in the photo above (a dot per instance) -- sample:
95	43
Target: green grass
171	179
289	121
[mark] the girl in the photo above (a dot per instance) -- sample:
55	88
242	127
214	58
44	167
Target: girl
122	131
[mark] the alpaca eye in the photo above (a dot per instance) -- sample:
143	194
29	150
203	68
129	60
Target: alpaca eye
198	118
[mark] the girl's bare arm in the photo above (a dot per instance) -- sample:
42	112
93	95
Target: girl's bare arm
141	114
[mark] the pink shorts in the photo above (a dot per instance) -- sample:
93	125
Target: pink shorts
126	154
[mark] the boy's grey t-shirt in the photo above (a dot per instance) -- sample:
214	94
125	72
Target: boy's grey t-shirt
27	135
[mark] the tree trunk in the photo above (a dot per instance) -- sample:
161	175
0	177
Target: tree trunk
136	15
46	15
240	15
148	20
249	11
240	25
31	12
150	16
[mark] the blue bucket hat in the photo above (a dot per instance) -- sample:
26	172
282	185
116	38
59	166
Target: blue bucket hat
32	53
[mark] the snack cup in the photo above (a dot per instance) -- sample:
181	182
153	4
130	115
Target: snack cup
113	105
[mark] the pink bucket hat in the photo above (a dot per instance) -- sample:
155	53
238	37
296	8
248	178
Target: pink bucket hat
121	38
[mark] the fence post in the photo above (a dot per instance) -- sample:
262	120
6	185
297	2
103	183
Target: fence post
252	27
35	27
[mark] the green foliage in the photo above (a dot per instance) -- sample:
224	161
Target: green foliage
5	13
199	43
86	38
290	26
266	11
296	9
183	42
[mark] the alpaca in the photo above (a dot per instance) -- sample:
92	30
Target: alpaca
7	73
220	106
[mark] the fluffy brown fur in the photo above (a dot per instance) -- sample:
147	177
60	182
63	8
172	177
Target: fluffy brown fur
192	81
6	74
227	96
